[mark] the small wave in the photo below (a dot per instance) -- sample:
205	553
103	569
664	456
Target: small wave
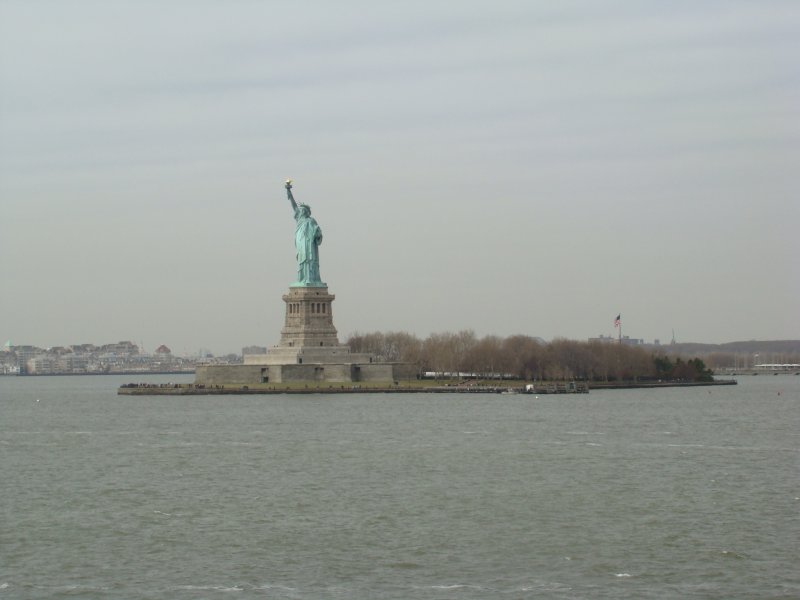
585	433
405	565
448	587
686	445
268	586
456	586
733	448
81	588
215	588
174	445
623	575
541	586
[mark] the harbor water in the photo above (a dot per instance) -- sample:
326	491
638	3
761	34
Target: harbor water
664	493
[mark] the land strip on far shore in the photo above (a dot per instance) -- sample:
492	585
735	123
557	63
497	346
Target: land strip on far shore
410	387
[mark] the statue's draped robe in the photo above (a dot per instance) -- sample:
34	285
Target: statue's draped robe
307	238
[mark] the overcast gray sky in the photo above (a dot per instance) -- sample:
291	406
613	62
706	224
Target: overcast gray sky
508	167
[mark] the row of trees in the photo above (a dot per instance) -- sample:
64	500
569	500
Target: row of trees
525	357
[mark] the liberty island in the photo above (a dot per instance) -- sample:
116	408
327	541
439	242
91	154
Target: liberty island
309	357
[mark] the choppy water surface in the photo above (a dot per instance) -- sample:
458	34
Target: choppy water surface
675	493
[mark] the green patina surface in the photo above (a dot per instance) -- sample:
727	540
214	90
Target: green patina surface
307	238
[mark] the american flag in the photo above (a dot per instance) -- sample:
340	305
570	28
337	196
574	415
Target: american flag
617	321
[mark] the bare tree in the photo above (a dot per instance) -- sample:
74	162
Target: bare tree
484	357
520	355
523	356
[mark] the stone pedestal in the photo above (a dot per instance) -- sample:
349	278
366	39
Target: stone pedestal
309	348
309	318
308	335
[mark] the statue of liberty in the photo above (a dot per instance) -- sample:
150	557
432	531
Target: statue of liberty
307	238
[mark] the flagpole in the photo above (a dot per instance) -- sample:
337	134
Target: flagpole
620	329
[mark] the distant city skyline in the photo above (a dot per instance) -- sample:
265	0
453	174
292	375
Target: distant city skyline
768	347
509	168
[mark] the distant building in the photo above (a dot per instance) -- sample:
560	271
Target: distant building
24	354
83	348
603	339
73	363
8	362
42	364
125	348
254	350
626	340
121	357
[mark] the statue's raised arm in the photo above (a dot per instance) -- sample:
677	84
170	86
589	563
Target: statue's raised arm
289	193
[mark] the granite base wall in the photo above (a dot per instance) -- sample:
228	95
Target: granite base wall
299	373
404	371
293	373
373	372
227	374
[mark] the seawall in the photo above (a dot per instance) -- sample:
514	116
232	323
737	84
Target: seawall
189	389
